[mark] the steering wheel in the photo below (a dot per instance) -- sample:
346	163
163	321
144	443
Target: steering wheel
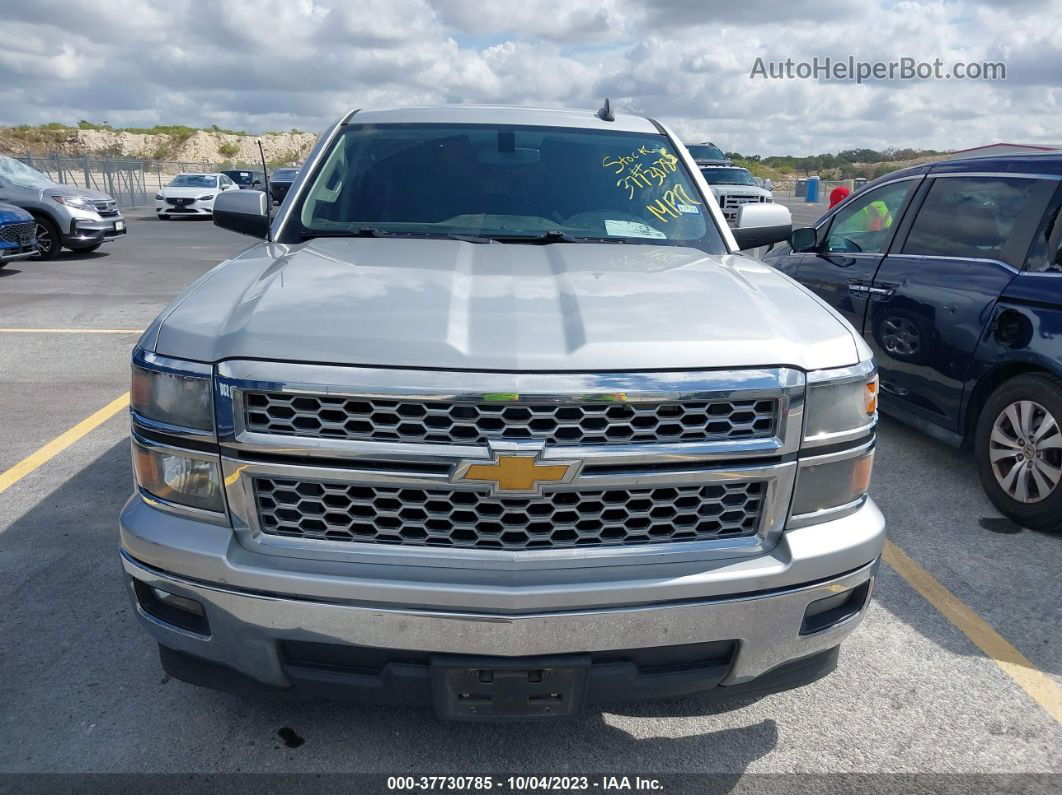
843	245
597	218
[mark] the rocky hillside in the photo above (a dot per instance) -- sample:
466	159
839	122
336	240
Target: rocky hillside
178	143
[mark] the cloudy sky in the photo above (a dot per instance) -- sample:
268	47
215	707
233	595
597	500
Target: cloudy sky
276	64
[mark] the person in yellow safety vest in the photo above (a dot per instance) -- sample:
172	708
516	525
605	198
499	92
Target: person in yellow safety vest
874	217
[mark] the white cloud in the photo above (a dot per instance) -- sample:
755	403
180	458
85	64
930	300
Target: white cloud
269	64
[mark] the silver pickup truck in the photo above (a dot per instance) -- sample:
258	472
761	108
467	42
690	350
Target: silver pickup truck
495	418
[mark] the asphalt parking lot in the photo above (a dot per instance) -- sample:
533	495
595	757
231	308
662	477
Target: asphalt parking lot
83	690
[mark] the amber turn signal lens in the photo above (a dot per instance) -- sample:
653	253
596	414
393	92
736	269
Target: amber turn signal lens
870	396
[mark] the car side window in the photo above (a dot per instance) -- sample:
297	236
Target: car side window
1045	255
969	217
864	225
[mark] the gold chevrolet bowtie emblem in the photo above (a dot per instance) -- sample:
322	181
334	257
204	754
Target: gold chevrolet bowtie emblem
516	473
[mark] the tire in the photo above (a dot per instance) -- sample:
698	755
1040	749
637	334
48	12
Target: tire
1024	481
163	217
87	249
49	241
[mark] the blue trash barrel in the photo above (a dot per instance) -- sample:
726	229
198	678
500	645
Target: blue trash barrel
813	189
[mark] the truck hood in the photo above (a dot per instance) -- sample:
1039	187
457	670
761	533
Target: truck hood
739	190
445	304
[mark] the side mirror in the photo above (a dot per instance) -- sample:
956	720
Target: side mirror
243	211
805	239
762	224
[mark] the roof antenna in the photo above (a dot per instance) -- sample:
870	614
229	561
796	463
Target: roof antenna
268	193
605	113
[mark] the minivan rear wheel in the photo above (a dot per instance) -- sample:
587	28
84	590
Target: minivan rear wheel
1018	445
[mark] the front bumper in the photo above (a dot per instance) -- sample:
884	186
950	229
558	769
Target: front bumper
13	251
195	208
82	232
254	603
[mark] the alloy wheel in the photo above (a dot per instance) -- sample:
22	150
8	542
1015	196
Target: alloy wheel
44	238
899	336
1025	451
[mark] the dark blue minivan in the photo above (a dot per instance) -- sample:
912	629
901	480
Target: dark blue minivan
953	273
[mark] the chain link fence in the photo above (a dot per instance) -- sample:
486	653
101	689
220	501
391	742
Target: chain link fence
131	183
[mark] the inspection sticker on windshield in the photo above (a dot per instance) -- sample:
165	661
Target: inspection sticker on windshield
632	229
687	208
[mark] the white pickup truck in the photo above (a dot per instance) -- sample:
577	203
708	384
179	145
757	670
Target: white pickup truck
494	418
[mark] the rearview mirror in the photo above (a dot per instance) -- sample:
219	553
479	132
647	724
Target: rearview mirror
803	239
762	224
243	211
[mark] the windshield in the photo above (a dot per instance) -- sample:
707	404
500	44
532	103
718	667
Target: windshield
240	177
285	174
541	184
706	152
194	181
728	176
18	173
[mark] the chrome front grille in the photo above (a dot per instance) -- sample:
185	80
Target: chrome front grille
106	208
439	422
318	510
372	465
730	204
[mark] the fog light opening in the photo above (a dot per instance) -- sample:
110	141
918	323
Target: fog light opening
170	608
832	610
178	602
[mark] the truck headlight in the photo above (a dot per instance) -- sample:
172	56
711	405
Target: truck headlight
841	405
183	477
840	409
171	391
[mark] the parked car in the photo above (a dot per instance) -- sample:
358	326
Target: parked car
708	153
246	179
18	238
953	273
191	194
281	181
733	187
79	219
496	423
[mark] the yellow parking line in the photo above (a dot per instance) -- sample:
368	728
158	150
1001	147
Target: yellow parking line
1037	684
60	443
70	330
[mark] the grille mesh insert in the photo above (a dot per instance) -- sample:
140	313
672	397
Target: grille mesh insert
475	520
475	423
16	233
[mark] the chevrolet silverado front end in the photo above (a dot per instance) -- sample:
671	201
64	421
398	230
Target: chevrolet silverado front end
503	471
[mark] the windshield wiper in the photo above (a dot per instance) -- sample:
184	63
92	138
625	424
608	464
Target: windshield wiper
372	231
555	236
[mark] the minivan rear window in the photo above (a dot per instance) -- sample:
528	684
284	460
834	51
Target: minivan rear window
969	217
